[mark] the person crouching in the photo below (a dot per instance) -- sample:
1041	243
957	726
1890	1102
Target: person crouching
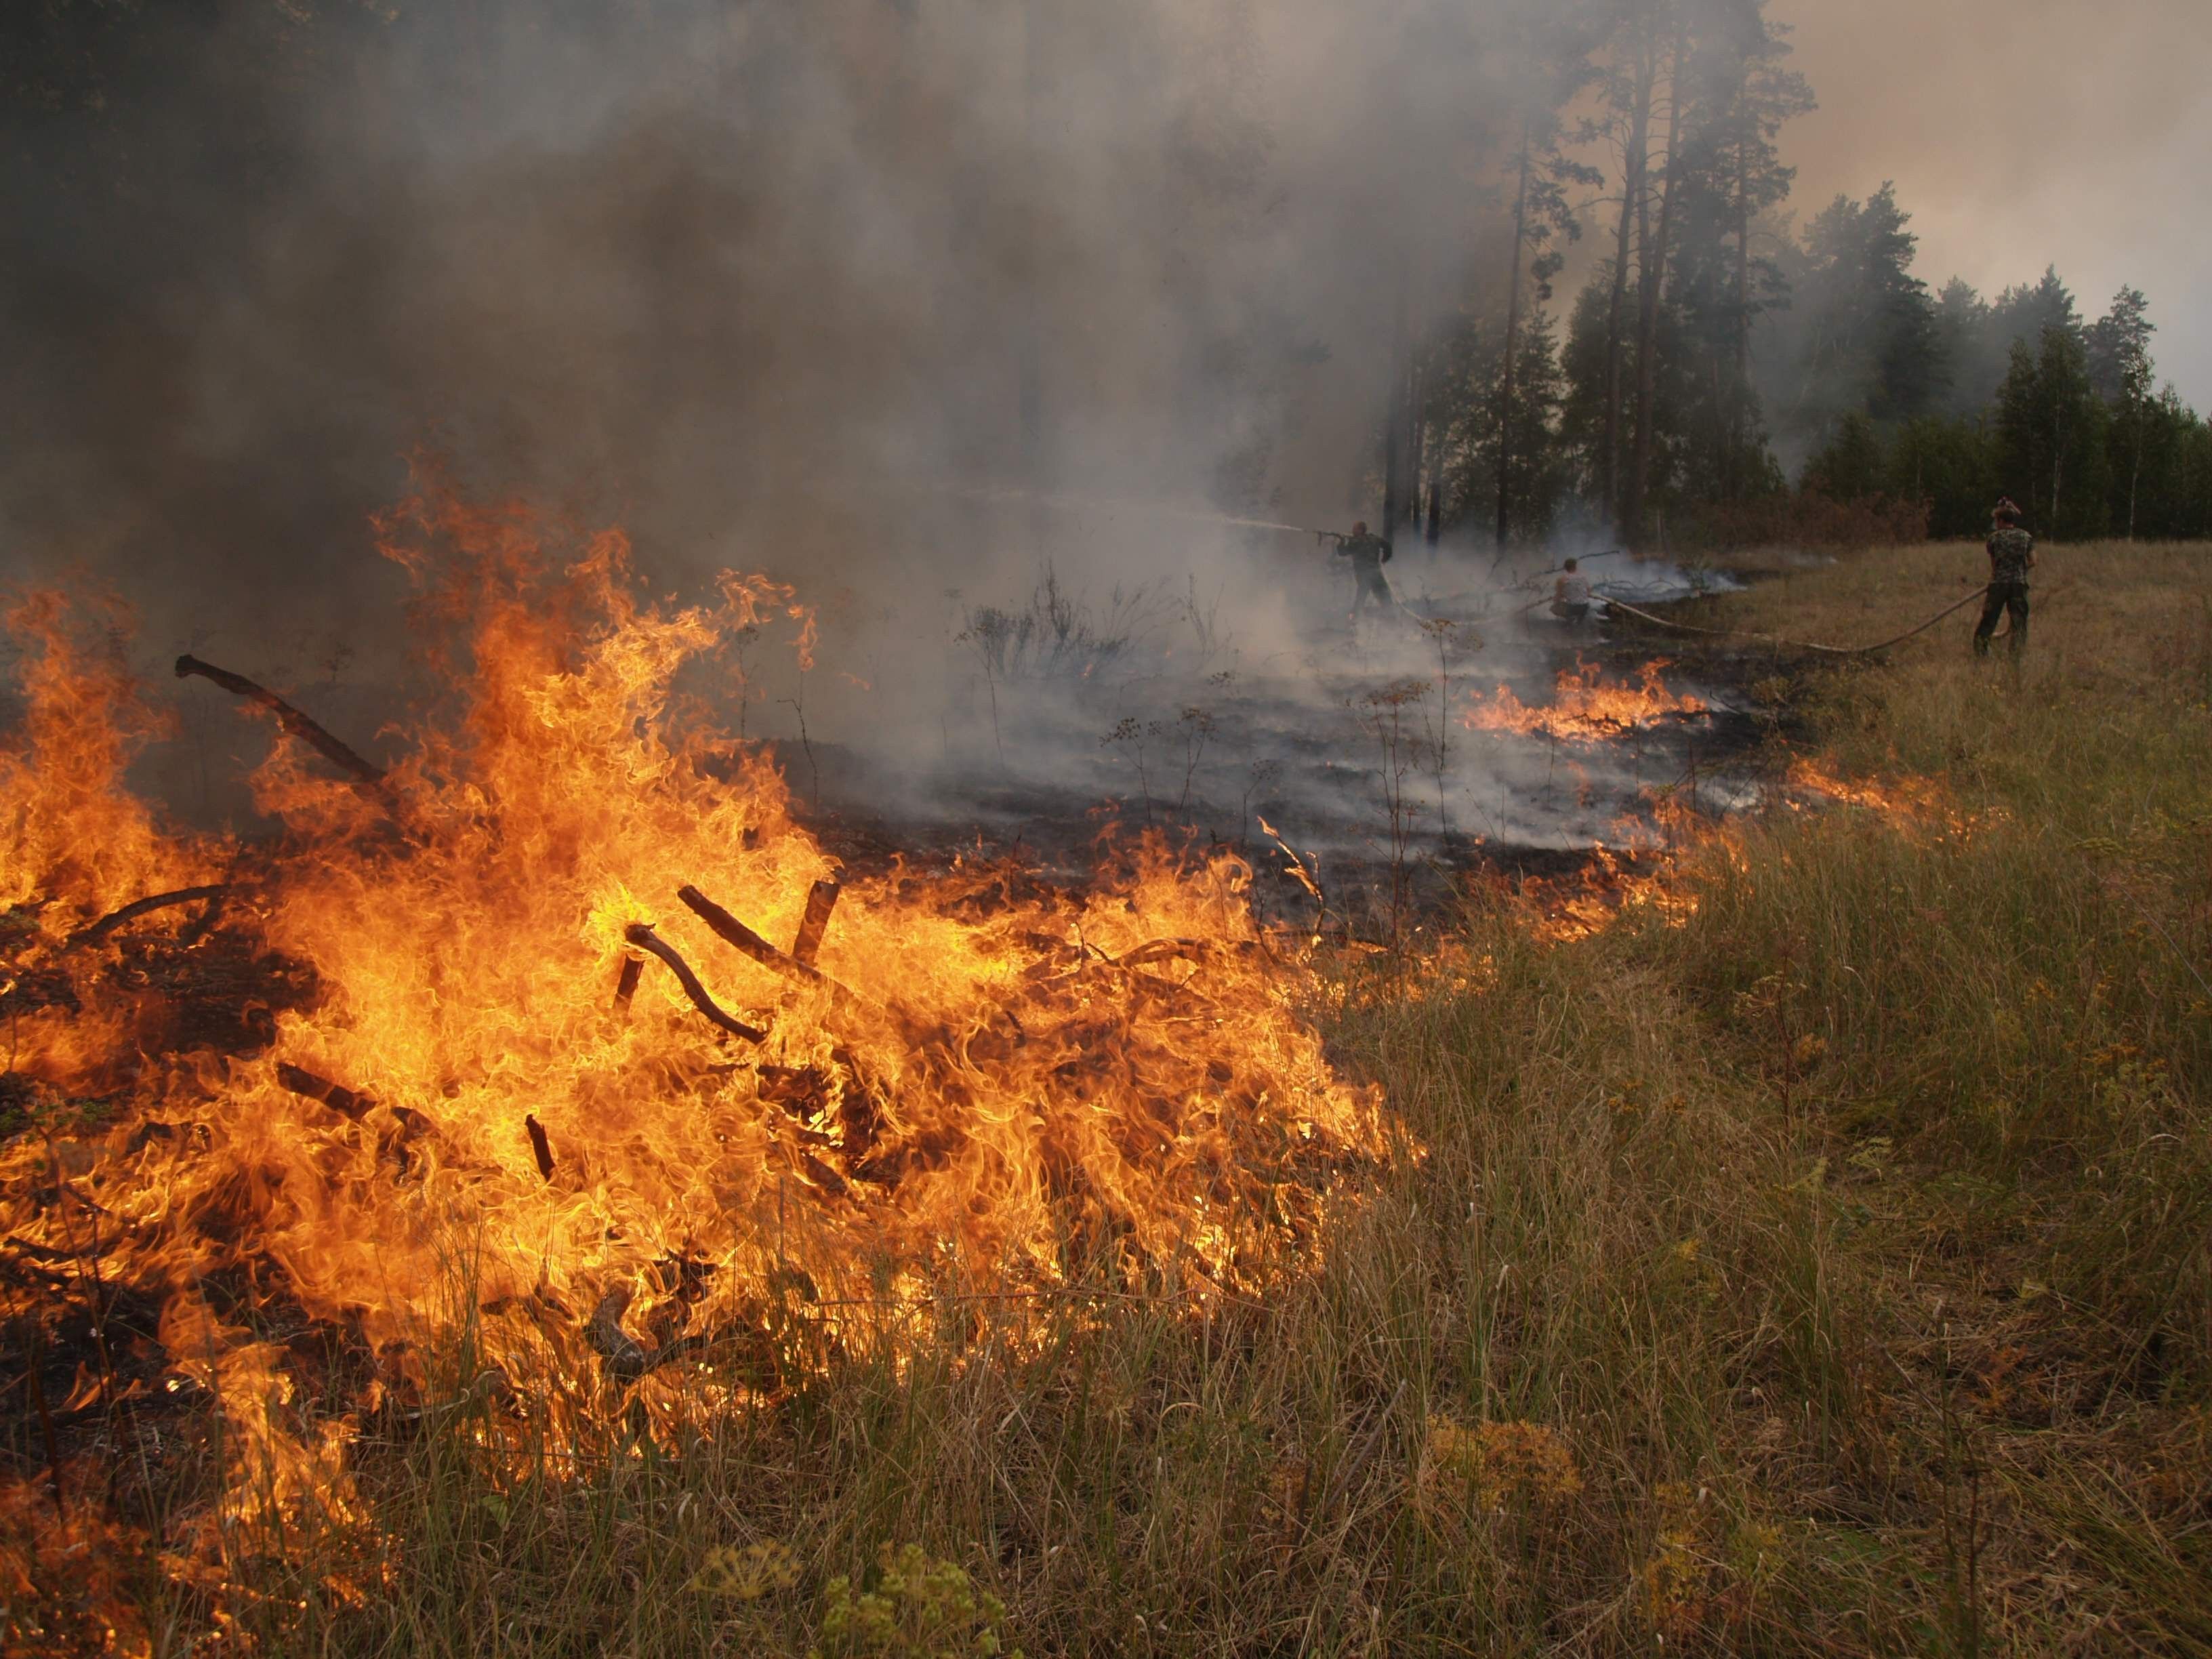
1570	594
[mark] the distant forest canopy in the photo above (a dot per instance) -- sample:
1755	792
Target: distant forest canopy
1723	376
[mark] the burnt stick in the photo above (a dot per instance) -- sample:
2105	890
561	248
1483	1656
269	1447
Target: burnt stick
627	1359
538	1144
298	724
728	928
131	913
731	931
642	936
347	1103
821	900
633	970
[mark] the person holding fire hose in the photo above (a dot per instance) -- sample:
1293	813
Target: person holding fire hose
2012	555
1368	554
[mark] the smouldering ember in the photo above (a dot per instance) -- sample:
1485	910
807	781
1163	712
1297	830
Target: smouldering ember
562	1029
1585	706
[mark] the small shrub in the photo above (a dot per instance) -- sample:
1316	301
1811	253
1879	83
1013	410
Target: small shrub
922	1608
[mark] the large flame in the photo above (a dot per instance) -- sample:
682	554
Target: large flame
74	844
505	1108
1585	706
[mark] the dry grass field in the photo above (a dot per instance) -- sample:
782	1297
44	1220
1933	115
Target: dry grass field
1814	1263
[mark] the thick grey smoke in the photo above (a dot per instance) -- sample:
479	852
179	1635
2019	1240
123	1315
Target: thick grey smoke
759	280
918	306
809	289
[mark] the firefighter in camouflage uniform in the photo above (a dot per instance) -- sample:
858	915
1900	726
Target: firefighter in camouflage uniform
2012	555
1369	554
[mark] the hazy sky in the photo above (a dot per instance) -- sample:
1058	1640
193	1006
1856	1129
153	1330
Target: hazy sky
2023	133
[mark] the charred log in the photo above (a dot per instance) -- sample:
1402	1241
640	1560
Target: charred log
728	928
347	1103
298	724
627	1359
821	901
643	937
144	907
540	1148
633	970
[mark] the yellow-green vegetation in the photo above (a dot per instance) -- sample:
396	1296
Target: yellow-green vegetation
1823	1271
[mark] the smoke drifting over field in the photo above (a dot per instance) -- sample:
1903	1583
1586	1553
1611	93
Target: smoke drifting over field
817	291
758	281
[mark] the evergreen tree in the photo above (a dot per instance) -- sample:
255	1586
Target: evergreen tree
1948	462
1972	348
1732	178
2120	371
1543	217
1513	447
1863	335
2052	436
2024	312
1852	464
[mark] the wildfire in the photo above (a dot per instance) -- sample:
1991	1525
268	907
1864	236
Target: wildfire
1585	708
1912	801
581	1044
1613	884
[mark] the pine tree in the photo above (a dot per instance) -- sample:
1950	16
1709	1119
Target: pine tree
1732	178
2025	312
1972	348
1867	328
1652	246
2120	371
1543	217
2051	432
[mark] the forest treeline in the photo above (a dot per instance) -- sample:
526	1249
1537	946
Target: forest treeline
1725	375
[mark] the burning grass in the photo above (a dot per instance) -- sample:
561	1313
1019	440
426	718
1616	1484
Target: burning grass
654	1186
1813	1264
1586	707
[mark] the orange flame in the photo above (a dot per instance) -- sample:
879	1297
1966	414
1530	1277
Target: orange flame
501	1113
1585	708
72	838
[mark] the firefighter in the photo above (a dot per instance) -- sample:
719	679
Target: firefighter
1368	554
2012	555
1570	594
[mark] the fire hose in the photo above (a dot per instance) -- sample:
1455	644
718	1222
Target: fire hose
1803	645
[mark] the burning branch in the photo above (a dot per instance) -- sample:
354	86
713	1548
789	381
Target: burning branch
131	913
538	1144
349	1103
633	970
641	935
346	1102
728	928
821	900
298	724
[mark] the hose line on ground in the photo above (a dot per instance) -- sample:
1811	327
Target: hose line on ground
1800	645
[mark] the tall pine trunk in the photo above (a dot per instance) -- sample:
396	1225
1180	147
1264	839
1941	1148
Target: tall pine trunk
1740	393
2134	471
2057	460
1434	444
1395	431
1651	275
1508	365
1633	181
